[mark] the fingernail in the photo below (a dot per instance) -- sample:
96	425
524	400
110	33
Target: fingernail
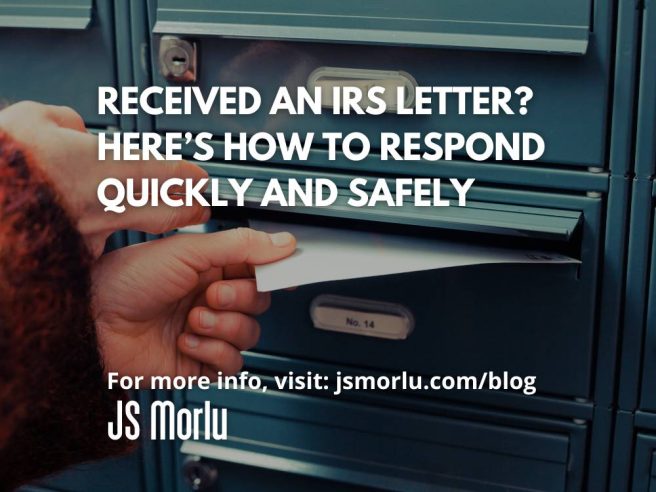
192	341
207	320
226	295
281	239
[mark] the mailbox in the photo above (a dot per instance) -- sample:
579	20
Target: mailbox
497	317
562	51
58	53
303	442
123	473
646	170
644	467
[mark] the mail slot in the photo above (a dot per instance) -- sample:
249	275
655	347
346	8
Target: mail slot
305	443
58	53
561	51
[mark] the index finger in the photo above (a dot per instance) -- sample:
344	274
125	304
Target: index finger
65	117
234	246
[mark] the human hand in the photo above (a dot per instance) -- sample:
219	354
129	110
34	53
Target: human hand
183	305
56	139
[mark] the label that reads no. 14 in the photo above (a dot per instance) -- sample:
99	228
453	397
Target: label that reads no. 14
361	317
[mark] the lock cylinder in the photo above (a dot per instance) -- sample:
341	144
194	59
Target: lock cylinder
177	59
199	474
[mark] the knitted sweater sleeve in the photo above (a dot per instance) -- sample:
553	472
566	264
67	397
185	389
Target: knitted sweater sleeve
54	405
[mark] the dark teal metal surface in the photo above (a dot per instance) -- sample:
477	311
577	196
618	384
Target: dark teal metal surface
533	176
648	392
46	14
124	474
646	128
484	217
558	27
638	339
623	452
644	468
60	66
373	446
636	294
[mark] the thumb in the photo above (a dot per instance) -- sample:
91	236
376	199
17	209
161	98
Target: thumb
231	247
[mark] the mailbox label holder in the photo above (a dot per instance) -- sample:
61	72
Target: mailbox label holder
361	317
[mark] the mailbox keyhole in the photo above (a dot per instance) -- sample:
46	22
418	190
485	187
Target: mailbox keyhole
177	59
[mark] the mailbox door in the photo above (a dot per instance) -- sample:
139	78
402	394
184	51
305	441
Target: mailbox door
530	320
123	473
570	85
310	440
645	170
644	466
648	395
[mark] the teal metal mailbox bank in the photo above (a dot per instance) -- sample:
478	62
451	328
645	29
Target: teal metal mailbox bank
562	325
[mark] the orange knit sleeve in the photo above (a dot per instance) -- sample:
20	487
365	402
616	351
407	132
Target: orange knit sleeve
54	405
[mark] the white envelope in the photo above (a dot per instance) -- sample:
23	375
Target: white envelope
324	254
